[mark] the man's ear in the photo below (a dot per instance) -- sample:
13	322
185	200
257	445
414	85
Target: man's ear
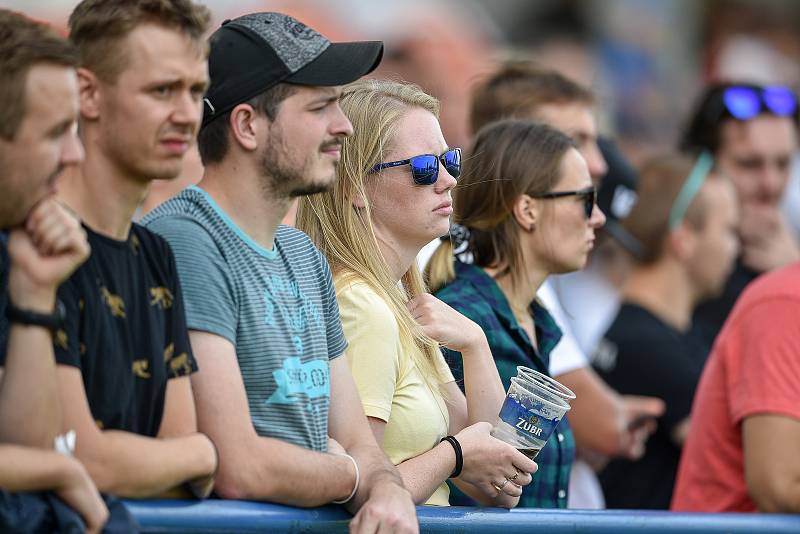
526	212
682	242
89	91
244	126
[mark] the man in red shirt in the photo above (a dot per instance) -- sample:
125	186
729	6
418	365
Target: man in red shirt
741	453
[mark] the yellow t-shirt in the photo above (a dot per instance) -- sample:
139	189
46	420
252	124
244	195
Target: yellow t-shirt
389	383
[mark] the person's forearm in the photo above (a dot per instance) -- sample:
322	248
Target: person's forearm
771	466
30	412
32	469
134	466
424	473
482	385
776	497
267	469
599	434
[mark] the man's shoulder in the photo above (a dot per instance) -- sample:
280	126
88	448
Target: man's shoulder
146	241
780	284
190	205
186	217
639	334
296	247
635	323
767	307
293	240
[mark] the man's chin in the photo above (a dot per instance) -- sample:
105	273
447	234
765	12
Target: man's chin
321	186
310	189
165	170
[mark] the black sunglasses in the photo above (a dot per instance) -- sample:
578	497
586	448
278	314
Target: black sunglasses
425	168
589	197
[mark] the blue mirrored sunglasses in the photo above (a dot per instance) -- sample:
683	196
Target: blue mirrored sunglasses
425	167
745	102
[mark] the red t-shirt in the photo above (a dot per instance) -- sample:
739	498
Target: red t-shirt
754	368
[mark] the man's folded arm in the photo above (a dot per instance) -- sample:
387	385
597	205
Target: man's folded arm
254	467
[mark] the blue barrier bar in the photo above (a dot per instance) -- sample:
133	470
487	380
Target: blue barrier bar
192	517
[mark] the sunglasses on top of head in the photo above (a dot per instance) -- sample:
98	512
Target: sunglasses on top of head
744	102
588	196
425	167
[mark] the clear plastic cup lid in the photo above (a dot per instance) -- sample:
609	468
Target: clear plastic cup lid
542	394
546	382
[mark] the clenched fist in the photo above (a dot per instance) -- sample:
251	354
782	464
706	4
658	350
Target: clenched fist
44	253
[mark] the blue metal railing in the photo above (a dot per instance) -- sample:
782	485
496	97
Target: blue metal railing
190	517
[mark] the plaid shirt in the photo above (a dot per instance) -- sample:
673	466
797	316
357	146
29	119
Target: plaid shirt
477	296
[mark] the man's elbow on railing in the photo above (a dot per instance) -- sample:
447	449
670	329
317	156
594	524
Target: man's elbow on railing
779	494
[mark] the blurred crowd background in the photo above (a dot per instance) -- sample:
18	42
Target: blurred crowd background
646	59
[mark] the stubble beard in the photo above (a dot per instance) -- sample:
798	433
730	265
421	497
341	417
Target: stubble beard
285	181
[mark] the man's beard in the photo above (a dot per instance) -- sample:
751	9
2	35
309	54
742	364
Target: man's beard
285	181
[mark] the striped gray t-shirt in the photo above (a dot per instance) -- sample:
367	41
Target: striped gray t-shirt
278	308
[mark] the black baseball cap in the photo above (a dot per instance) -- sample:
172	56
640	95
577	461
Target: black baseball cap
254	52
617	195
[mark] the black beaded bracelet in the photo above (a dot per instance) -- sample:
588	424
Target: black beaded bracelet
459	455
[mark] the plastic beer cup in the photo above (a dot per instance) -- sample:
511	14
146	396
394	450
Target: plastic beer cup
529	416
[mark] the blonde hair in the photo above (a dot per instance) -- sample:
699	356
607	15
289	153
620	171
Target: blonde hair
345	233
507	159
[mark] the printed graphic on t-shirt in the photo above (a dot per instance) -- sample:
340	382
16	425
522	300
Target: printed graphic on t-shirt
161	297
60	339
114	302
298	381
125	329
180	365
295	381
139	368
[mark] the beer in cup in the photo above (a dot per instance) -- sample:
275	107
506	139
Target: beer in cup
530	413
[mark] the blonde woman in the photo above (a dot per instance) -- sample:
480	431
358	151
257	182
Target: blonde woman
527	209
391	198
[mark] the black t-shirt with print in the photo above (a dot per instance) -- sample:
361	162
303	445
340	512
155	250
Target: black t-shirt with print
641	355
125	329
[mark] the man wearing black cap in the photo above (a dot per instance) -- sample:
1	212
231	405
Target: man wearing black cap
260	300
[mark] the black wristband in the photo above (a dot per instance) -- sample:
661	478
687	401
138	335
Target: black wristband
52	321
459	455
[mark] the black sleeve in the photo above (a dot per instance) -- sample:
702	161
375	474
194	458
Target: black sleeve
179	360
66	340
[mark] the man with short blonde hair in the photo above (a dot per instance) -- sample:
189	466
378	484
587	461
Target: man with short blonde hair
124	355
